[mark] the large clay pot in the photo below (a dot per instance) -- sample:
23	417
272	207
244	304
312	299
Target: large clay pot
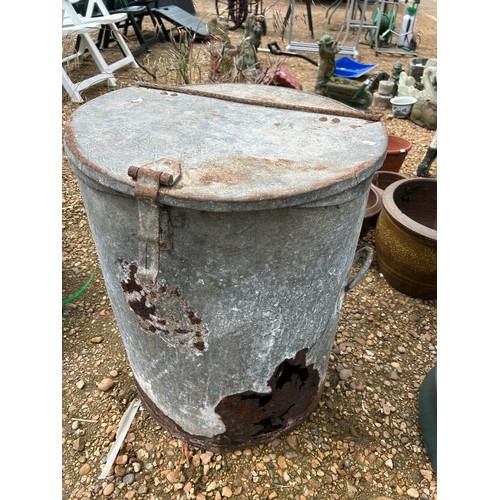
384	178
397	149
372	210
406	237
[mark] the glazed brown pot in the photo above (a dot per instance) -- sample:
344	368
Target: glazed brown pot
397	149
384	178
406	237
372	210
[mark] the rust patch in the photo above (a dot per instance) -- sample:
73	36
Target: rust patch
319	168
162	310
224	176
253	418
211	179
251	414
199	344
238	170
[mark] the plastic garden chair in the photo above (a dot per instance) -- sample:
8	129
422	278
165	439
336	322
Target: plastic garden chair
83	26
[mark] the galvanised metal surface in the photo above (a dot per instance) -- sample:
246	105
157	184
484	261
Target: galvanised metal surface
226	232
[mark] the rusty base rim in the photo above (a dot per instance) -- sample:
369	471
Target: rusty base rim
216	444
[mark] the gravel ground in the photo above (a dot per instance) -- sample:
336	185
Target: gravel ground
363	441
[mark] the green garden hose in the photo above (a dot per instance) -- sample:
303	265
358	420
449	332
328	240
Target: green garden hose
387	25
75	295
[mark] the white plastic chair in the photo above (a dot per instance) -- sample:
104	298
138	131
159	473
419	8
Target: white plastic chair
83	26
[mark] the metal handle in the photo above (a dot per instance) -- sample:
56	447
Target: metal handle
150	177
368	251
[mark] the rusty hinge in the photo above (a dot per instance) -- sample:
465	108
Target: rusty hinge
151	238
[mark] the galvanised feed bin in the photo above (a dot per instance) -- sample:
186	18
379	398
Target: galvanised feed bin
226	219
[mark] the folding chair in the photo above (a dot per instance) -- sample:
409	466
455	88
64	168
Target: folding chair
73	88
181	19
136	11
82	26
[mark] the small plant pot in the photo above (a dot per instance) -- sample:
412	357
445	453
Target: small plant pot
397	149
401	105
406	237
372	210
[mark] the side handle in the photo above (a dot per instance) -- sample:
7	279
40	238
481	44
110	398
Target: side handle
367	253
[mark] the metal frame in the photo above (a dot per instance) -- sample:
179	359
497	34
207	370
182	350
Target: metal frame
350	23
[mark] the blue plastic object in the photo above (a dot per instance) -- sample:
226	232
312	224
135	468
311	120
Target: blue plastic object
348	68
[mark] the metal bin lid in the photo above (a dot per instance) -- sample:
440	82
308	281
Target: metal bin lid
239	146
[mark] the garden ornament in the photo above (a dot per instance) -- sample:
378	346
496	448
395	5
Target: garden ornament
327	50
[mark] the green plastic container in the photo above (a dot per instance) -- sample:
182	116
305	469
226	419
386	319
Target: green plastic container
428	414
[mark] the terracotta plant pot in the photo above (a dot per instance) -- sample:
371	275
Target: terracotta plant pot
397	149
406	237
372	210
384	178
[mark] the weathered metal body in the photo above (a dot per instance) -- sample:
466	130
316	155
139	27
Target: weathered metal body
227	271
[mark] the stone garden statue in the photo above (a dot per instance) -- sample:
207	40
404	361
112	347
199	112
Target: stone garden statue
327	51
247	62
397	68
424	111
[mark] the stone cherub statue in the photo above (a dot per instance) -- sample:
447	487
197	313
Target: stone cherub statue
327	51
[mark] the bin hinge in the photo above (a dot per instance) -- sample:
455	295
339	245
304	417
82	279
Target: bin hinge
154	231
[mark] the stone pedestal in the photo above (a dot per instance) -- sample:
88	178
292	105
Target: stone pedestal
382	98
